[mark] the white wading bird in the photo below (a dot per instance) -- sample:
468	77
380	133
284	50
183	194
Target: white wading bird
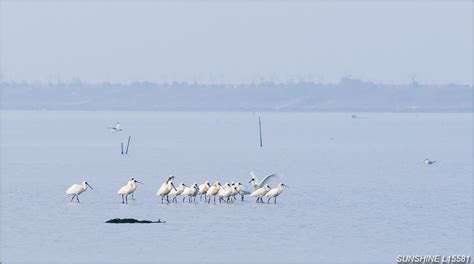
190	192
177	192
429	162
273	193
259	193
242	190
77	189
256	184
213	190
203	190
116	128
225	193
128	189
165	188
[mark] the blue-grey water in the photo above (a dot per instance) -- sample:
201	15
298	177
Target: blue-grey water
359	189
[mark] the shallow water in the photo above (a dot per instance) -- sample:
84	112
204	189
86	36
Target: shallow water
359	190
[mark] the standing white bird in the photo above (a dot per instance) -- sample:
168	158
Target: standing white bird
175	193
225	192
190	192
116	128
166	188
213	190
259	193
273	193
77	189
256	184
203	190
128	189
429	162
242	190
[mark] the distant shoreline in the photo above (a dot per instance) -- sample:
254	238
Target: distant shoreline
349	95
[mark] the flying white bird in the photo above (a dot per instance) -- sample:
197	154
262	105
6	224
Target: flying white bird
213	191
273	193
116	128
429	162
77	189
256	184
259	193
165	188
128	189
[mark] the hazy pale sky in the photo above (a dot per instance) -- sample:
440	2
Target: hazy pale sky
236	41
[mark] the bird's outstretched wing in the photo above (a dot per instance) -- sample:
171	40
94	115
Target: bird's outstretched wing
267	179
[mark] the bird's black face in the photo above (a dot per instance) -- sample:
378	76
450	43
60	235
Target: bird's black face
252	180
208	184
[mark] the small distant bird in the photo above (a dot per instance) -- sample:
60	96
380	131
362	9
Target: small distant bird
429	162
77	189
116	128
273	193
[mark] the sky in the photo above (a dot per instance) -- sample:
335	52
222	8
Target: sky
236	42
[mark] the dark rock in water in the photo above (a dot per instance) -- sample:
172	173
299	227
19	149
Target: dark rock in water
132	221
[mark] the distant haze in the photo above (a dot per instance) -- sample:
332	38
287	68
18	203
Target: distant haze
236	42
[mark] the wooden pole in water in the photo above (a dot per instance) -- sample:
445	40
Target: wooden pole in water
126	151
121	144
260	129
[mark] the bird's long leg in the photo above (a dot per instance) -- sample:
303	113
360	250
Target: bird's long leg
167	199
214	199
162	199
77	198
123	200
205	197
275	200
73	198
184	198
242	196
200	197
126	199
269	200
256	201
209	201
132	197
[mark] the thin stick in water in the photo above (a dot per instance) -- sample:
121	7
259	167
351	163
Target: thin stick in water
260	129
121	144
128	144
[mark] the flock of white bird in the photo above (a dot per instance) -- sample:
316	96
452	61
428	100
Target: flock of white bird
226	193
